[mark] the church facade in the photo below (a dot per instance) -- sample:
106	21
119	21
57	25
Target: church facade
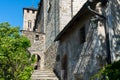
74	38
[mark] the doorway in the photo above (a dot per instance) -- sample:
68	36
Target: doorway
37	63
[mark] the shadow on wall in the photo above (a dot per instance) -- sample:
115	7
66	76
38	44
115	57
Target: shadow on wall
93	56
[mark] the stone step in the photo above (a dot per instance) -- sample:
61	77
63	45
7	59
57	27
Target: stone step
39	73
42	71
43	75
47	77
43	78
53	75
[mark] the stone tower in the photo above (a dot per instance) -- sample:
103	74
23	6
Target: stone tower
29	18
36	38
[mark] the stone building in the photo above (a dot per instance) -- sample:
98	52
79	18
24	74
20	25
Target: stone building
75	38
89	41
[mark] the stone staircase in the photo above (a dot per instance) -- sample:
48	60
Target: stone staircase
43	75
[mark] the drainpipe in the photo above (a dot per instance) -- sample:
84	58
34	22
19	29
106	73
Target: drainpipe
106	34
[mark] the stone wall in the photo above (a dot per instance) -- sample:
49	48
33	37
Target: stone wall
37	44
71	47
113	22
40	27
98	47
54	16
51	21
77	5
50	57
65	13
93	54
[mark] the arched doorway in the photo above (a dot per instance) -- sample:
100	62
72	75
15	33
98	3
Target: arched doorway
64	65
37	63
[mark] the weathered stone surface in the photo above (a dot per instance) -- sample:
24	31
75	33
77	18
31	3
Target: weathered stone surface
51	21
113	21
77	5
65	13
50	57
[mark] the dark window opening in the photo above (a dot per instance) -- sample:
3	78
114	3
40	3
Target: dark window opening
35	68
29	24
33	12
36	37
58	58
82	35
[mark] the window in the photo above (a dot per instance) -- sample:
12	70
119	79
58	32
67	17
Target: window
29	24
82	35
33	12
36	37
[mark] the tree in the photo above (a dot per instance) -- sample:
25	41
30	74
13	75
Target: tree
15	60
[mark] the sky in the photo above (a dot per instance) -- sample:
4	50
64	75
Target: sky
12	10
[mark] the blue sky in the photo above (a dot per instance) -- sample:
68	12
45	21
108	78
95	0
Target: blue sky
12	10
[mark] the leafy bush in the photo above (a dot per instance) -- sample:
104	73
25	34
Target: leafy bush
110	72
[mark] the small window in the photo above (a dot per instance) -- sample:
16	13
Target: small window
82	35
29	24
33	12
36	37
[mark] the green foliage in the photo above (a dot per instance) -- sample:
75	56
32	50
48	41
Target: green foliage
110	72
15	60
